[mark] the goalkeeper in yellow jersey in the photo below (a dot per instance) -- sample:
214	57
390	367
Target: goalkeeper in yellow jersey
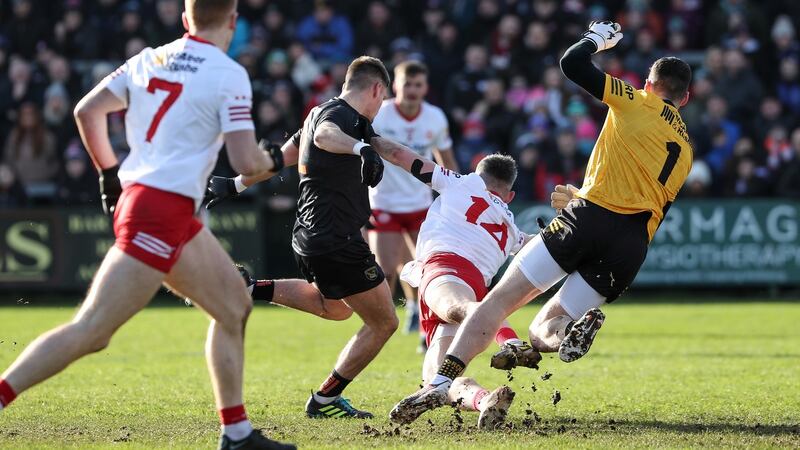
599	239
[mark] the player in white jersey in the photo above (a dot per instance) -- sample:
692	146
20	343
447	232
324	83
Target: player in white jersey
399	203
468	234
183	100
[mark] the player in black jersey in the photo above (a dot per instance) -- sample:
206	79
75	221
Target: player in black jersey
336	165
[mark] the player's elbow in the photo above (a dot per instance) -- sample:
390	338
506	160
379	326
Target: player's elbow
82	111
322	137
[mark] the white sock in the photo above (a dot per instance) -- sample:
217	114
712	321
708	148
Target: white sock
439	379
324	400
515	341
238	431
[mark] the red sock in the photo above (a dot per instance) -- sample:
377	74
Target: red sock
504	334
234	414
7	395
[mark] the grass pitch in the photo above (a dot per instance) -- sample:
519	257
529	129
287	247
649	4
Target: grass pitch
661	374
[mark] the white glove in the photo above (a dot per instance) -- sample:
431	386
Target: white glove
561	196
604	34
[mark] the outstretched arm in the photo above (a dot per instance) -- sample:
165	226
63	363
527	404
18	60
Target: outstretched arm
402	156
576	64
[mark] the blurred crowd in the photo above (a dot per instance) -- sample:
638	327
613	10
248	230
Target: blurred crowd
493	69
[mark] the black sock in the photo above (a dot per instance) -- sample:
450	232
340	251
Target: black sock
452	367
334	385
264	290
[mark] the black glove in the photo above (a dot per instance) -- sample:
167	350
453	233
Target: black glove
110	189
274	151
219	189
371	166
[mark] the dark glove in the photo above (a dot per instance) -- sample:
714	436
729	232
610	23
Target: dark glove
274	151
219	189
110	189
371	166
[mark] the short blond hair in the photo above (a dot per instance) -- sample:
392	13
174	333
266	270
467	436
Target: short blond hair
206	14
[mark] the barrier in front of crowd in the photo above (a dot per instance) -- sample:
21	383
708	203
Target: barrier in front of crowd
716	243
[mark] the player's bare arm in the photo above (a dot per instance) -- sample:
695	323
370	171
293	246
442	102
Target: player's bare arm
91	117
446	158
329	137
576	64
245	156
223	188
402	156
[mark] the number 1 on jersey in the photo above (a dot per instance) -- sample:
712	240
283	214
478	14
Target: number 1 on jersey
673	152
479	205
173	92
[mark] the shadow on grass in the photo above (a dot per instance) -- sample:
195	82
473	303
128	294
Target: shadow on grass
637	426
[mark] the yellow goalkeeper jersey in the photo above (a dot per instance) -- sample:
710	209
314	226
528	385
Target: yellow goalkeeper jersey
642	156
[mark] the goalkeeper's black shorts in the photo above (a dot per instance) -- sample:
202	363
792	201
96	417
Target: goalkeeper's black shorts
605	247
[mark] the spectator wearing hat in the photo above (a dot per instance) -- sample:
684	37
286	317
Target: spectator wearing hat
326	34
77	184
698	182
56	114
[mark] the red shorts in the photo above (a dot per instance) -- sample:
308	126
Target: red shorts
440	264
153	225
383	221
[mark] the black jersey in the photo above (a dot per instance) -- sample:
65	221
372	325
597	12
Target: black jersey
333	203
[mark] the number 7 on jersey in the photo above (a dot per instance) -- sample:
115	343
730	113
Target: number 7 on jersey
173	92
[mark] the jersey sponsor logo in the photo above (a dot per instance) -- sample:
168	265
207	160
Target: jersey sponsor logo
619	88
152	244
667	115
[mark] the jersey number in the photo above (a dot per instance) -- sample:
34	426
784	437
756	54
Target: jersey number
173	92
673	152
479	205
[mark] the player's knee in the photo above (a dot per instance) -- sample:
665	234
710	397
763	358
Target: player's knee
455	314
388	326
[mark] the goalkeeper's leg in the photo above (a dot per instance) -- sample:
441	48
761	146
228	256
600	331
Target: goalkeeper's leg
568	322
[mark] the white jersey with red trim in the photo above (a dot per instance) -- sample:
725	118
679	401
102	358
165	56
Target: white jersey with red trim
398	191
181	98
468	220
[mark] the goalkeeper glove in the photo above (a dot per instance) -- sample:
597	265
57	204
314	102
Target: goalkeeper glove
561	196
604	34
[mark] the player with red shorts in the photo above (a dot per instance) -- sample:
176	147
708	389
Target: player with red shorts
468	234
400	202
183	100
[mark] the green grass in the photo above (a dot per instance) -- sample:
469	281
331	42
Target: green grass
660	375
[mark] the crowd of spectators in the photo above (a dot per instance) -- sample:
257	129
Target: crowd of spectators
493	69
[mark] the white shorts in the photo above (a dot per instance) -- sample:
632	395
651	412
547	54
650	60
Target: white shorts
538	266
